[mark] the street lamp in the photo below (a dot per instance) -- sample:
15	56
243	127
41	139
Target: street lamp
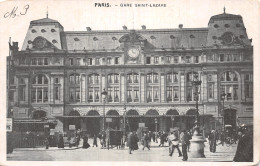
155	120
124	117
104	96
223	96
197	141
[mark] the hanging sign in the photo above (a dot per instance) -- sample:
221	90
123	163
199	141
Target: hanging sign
108	119
72	127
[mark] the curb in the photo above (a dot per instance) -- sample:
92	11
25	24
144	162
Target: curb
43	149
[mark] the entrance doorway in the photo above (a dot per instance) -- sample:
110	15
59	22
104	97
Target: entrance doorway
151	120
172	119
132	120
115	124
93	122
75	119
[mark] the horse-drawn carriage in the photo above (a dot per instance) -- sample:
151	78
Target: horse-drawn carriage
114	138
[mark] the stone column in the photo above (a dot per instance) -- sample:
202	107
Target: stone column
83	88
182	86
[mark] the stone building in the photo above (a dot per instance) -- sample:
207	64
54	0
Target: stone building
58	76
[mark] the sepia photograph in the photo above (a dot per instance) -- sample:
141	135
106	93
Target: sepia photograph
129	81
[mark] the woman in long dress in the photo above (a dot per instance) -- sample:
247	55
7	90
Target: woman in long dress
85	142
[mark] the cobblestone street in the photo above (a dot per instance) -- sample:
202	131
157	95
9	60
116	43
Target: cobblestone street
223	154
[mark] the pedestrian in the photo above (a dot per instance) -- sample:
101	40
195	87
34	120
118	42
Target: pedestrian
162	138
85	142
61	142
174	142
95	140
130	142
103	137
190	137
46	141
77	140
149	138
184	137
153	136
135	141
212	141
244	151
222	138
156	137
146	141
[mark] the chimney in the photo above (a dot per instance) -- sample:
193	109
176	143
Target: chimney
15	46
143	27
88	29
180	26
124	27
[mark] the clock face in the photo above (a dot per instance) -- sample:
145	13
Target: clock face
228	38
39	43
133	52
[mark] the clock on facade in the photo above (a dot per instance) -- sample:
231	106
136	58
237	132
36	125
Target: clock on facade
40	43
228	38
133	52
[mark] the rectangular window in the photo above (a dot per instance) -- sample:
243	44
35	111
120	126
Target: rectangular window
221	57
229	92
209	58
90	61
78	61
169	78
148	60
57	93
169	93
156	60
97	61
210	91
116	79
176	93
33	95
45	61
34	61
155	78
45	95
247	77
149	94
77	94
228	58
22	93
109	78
189	94
11	79
129	78
116	94
175	77
129	94
247	57
136	94
235	92
187	59
96	94
149	78
109	61
90	95
109	94
176	59
72	79
71	61
196	59
72	94
39	94
22	61
40	61
136	78
116	60
236	57
96	79
155	94
168	59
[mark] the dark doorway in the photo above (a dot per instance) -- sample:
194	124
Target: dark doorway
132	120
93	123
115	124
172	119
151	120
230	117
75	119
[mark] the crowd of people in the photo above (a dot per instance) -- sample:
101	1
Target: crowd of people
173	139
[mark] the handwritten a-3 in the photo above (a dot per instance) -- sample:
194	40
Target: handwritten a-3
14	12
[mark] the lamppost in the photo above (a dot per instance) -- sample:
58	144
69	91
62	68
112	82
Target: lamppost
223	96
124	117
104	96
197	141
155	120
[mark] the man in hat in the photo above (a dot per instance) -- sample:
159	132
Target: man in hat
184	137
174	142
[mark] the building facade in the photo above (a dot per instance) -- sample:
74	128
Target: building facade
58	76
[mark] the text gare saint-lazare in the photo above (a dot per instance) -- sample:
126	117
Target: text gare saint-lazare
130	5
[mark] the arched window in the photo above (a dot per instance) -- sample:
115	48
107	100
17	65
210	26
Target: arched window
152	89
74	89
189	88
172	87
92	113
40	89
93	88
132	112
229	85
133	88
113	87
191	112
172	112
113	112
152	112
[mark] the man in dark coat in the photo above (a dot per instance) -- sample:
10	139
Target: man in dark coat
146	141
212	141
162	138
85	142
135	141
184	137
245	145
130	142
95	141
61	142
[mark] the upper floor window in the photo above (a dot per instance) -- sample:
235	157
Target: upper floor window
94	79
109	60
176	59
229	76
97	61
40	79
156	60
196	59
172	77
187	59
113	78
71	61
168	59
40	61
148	60
152	78
90	61
132	78
116	60
74	78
